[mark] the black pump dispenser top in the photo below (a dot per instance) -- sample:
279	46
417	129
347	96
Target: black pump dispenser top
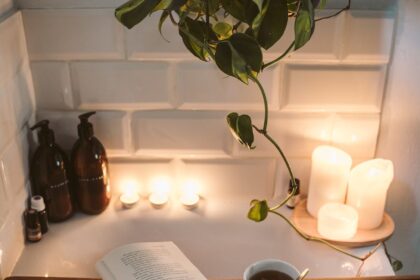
45	134
85	128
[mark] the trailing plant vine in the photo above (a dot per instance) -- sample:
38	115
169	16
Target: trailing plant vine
233	34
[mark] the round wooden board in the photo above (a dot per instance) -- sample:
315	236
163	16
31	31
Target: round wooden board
308	224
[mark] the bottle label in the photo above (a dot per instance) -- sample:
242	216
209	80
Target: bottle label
92	179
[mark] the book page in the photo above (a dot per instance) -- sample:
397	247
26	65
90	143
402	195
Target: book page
150	261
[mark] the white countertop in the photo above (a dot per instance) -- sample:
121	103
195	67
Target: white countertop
217	237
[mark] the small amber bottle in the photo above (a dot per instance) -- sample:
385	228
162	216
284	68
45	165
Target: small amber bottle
90	167
37	203
33	227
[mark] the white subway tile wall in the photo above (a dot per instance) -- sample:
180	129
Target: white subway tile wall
157	101
16	112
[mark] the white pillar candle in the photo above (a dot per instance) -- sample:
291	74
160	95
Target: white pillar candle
368	185
337	221
329	175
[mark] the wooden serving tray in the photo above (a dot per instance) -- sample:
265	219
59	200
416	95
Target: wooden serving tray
308	224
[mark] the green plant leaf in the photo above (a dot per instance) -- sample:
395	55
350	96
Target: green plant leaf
397	265
304	24
258	211
259	4
241	128
193	33
271	22
243	10
169	5
239	56
163	17
134	11
223	29
245	131
322	4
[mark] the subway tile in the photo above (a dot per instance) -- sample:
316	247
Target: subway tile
12	237
15	164
5	7
300	167
139	174
335	87
7	117
4	199
369	35
145	42
230	178
124	85
108	127
69	4
23	96
324	43
12	47
52	85
73	34
203	86
297	135
186	133
356	134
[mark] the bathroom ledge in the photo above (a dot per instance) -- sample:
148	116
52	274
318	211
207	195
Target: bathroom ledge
217	238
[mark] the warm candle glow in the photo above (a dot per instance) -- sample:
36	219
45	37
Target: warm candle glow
190	194
158	200
129	196
189	200
129	199
368	185
337	221
329	175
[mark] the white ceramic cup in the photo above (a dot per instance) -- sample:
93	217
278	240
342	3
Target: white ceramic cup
271	264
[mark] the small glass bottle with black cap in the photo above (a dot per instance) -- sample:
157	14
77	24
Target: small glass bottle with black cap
294	200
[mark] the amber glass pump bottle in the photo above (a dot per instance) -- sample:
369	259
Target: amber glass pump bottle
90	167
50	175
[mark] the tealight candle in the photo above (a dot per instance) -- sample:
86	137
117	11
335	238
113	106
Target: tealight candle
368	185
328	180
158	200
190	200
129	199
337	221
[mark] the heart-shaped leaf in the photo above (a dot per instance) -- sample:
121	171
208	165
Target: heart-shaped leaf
239	56
304	24
243	10
193	35
134	11
270	24
258	211
241	129
397	265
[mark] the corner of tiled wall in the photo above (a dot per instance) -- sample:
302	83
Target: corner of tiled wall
156	101
17	110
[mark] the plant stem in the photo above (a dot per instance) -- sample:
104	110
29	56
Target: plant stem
320	240
337	13
265	104
292	177
265	65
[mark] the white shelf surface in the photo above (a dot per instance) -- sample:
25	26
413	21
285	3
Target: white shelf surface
217	237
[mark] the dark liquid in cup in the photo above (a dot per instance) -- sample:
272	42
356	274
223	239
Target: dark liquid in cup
270	275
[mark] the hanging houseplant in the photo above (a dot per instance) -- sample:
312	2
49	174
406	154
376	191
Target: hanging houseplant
234	34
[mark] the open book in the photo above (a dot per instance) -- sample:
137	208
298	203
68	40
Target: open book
147	261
